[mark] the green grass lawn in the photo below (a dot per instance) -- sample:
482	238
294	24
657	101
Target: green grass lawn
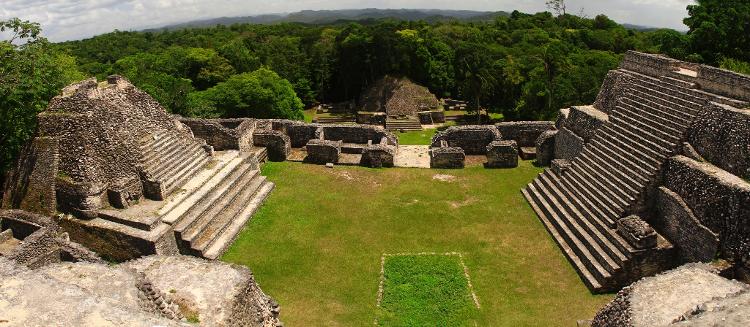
316	244
425	290
309	115
423	137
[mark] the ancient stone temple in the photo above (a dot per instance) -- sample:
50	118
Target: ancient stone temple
652	175
401	100
133	180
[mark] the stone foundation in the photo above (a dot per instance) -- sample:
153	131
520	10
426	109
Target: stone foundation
502	154
323	151
277	143
378	156
447	158
472	139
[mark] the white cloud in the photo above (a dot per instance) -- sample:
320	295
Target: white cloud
73	19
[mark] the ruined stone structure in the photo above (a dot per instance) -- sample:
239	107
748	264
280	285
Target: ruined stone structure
151	291
132	179
691	295
650	149
406	105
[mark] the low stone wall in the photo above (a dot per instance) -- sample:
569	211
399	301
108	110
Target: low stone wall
31	184
473	139
323	151
676	221
721	135
502	154
276	142
584	121
724	82
361	134
447	158
223	134
545	147
378	156
567	144
719	200
524	133
649	64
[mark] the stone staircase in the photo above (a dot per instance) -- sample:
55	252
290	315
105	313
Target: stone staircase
168	161
403	124
336	119
207	218
609	179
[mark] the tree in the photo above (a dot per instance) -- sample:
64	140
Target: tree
557	6
260	94
719	28
31	73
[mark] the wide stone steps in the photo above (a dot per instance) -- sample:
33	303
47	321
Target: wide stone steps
607	180
171	160
208	219
402	124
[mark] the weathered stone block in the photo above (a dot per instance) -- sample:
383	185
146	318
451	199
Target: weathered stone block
721	135
473	139
559	166
447	158
545	147
567	144
637	232
278	144
323	151
502	154
525	133
31	184
675	220
378	155
584	121
527	153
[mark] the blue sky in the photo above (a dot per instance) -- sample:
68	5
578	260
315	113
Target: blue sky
75	19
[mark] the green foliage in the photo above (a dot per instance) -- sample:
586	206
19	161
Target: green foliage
260	94
735	65
425	290
719	28
31	73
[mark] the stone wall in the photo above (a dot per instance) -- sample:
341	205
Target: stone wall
649	64
524	133
277	143
223	134
545	147
719	200
31	184
447	158
614	86
724	82
473	139
676	221
378	156
721	135
567	144
585	121
502	154
323	151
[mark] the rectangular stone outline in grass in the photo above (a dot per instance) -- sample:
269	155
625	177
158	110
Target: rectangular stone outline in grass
465	269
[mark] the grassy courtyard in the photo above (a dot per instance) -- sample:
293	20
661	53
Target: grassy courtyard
317	243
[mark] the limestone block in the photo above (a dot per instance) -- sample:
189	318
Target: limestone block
637	232
473	139
447	158
524	133
502	154
278	144
676	221
721	135
545	147
567	144
323	151
378	155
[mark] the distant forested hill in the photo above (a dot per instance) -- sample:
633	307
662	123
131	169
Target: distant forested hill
332	16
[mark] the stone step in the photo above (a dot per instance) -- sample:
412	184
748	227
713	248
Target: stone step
596	194
597	243
678	82
621	179
642	136
614	143
676	111
586	276
151	152
213	221
188	217
676	101
594	275
242	207
653	151
613	196
186	172
655	117
660	89
584	192
220	244
662	132
142	222
171	161
625	167
176	206
165	152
